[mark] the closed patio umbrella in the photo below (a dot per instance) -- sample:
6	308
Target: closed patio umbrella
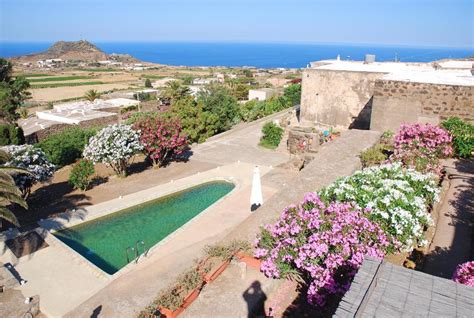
256	197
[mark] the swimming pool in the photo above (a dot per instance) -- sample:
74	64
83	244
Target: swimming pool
104	241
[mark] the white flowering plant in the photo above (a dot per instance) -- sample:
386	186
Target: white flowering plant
33	160
394	197
114	146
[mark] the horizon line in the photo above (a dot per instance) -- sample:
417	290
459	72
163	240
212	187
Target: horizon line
394	45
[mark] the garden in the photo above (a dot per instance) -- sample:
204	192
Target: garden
382	210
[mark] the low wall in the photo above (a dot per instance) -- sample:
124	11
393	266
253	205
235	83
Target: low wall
396	102
339	99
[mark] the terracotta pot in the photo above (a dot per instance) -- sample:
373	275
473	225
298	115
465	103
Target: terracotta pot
249	260
216	271
188	300
171	313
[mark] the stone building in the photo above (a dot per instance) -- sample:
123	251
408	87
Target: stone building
381	95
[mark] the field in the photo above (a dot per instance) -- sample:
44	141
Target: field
52	85
57	78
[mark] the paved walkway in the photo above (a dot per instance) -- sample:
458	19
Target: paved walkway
241	143
453	241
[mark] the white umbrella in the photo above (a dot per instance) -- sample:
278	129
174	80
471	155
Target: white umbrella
256	197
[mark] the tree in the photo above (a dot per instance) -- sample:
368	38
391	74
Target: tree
216	99
197	124
9	192
148	83
293	94
92	95
114	146
13	92
174	91
162	139
33	160
240	91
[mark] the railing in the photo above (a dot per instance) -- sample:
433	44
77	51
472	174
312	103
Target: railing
136	249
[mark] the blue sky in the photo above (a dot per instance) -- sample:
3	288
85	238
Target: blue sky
446	23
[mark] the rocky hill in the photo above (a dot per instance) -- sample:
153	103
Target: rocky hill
73	51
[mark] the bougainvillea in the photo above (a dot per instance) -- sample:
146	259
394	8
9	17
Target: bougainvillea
162	138
464	274
32	159
114	146
398	200
322	244
421	145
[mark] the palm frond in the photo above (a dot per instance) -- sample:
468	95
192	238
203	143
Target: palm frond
8	215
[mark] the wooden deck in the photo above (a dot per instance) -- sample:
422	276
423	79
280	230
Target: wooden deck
382	289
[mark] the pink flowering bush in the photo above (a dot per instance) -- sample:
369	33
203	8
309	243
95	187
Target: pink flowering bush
321	244
420	146
464	274
162	138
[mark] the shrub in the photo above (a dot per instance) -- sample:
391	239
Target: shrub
272	135
321	244
420	146
463	136
114	146
66	146
375	155
464	274
148	83
395	198
11	134
32	159
162	139
81	173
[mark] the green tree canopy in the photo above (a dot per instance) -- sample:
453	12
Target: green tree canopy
13	92
174	91
293	94
217	100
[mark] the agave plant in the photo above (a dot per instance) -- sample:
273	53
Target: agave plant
9	192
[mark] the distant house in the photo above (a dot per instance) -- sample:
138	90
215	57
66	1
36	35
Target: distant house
162	82
204	81
262	93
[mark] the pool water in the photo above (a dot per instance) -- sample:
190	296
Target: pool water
104	241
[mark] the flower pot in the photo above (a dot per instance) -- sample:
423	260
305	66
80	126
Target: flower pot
171	313
215	271
249	260
188	300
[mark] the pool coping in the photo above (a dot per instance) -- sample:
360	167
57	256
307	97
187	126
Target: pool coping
66	220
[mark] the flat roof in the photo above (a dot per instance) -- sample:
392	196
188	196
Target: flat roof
97	104
74	116
444	77
449	72
33	124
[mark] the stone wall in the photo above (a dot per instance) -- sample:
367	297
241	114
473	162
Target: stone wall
52	130
396	102
340	99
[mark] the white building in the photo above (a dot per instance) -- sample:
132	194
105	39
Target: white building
204	81
262	93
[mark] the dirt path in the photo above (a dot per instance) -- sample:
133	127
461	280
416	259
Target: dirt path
453	242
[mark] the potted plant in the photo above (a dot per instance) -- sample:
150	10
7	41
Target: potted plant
179	296
218	258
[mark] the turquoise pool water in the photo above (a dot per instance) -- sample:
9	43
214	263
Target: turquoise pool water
104	241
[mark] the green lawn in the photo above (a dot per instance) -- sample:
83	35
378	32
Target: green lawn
52	85
33	75
59	79
99	69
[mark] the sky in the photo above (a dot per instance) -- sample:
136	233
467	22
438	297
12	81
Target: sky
437	23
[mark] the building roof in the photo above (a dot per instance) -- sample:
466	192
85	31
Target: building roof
97	104
74	116
381	289
449	72
31	125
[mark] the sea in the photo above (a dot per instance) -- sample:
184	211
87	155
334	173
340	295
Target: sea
261	55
